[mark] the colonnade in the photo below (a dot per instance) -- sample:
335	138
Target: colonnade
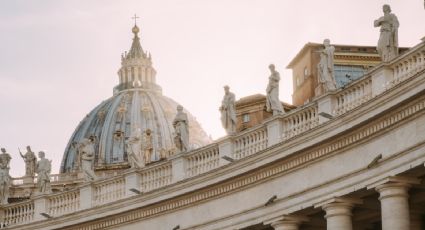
395	211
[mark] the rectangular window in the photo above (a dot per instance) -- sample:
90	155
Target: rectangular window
245	118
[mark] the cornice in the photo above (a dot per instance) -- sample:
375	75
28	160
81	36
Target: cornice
370	127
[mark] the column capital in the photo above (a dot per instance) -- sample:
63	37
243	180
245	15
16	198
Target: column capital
286	222
408	181
338	200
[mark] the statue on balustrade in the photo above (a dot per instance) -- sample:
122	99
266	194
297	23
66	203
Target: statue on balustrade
43	168
86	151
388	39
181	130
326	67
30	162
5	180
147	146
228	111
134	149
273	103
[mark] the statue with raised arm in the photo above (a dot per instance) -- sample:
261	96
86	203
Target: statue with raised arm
43	168
87	152
273	103
388	39
147	146
326	67
228	111
4	176
30	162
181	130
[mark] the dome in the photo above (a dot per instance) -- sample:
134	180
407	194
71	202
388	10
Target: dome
136	106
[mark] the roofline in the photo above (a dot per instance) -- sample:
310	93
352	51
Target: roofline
313	44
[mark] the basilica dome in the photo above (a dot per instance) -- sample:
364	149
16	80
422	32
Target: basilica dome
136	106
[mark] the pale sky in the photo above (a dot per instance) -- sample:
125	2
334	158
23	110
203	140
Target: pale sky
59	59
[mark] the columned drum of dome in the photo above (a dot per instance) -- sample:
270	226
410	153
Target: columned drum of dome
136	106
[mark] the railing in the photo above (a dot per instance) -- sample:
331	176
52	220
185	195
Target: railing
18	213
409	64
354	95
63	203
156	177
202	160
109	191
250	143
300	121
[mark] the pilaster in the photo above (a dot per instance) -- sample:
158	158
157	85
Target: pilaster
178	167
132	181
326	105
380	79
40	206
225	148
274	132
86	196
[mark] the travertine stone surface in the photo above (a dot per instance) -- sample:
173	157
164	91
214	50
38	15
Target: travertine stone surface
44	168
228	111
394	206
326	67
4	176
388	39
273	103
181	130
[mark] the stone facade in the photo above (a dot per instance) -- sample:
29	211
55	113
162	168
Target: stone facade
361	167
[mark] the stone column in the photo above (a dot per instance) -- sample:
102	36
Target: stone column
394	206
339	213
416	219
286	222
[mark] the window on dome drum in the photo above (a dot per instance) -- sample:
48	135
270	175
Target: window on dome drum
299	80
344	74
305	72
245	118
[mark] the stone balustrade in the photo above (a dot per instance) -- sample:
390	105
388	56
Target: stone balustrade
353	95
156	176
18	213
202	160
207	158
63	203
408	65
108	191
250	142
300	121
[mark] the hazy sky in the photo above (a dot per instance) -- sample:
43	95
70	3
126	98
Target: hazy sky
59	59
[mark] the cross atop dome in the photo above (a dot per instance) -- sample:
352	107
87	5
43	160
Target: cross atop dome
135	28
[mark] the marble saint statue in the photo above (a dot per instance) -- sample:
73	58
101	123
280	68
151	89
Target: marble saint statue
228	111
388	39
87	152
4	176
147	146
43	168
181	130
134	149
273	103
326	67
30	162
